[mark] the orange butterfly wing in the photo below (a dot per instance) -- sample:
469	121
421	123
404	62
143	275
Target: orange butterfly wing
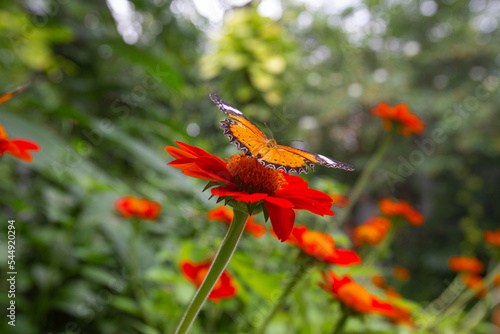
251	140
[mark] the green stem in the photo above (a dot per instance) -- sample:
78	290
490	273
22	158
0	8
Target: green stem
297	276
362	181
339	327
220	262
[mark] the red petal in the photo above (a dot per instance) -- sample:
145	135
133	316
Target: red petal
282	218
214	167
189	269
284	203
233	191
24	144
344	257
226	289
383	308
181	163
309	199
196	151
178	153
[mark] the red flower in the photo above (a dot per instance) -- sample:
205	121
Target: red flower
379	282
403	316
244	179
372	232
355	296
390	207
130	206
401	273
466	264
17	147
340	200
400	116
476	283
196	273
225	215
321	246
492	237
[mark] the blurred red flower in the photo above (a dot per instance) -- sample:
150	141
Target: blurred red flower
403	316
20	148
401	273
389	207
355	296
340	200
321	246
379	282
225	215
244	179
476	283
130	206
196	273
372	232
466	264
492	237
399	116
391	293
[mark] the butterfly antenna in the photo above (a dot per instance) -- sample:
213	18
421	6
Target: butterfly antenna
291	140
270	133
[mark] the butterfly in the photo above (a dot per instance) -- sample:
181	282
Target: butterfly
253	142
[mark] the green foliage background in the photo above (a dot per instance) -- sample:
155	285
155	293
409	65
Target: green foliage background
103	110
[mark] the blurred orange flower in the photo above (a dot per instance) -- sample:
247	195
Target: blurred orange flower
401	273
467	264
476	283
130	206
389	291
492	237
322	246
400	116
196	272
496	281
389	207
379	281
20	148
340	200
355	296
372	232
225	215
403	317
392	293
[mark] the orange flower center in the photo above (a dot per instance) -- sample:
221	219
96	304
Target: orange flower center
200	277
320	243
250	176
355	295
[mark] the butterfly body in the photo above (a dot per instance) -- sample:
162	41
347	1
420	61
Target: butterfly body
253	142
